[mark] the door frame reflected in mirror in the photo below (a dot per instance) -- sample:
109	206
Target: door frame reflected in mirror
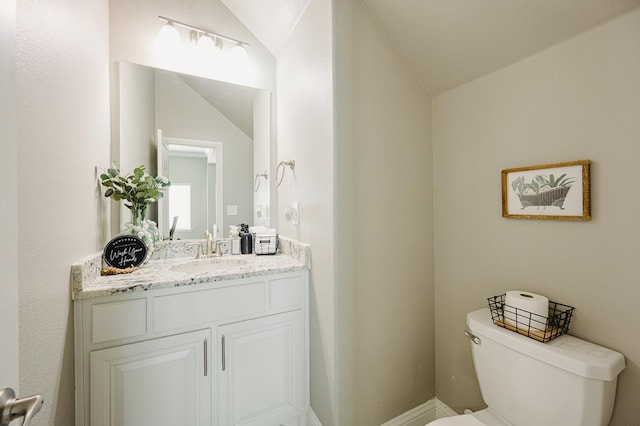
164	147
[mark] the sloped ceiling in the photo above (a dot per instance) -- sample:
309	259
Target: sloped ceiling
234	102
449	42
271	21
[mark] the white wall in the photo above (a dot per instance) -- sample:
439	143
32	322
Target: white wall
137	118
305	133
133	127
385	234
263	133
9	195
63	133
577	100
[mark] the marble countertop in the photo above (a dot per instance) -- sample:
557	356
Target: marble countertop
86	281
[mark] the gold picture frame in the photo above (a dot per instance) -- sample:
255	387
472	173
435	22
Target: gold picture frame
560	191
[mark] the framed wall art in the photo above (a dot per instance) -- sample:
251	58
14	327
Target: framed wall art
552	191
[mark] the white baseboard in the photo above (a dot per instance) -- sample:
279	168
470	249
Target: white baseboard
312	419
419	416
422	414
443	410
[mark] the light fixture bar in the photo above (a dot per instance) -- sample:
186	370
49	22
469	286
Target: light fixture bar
205	32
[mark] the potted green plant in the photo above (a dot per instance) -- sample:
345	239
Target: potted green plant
543	190
138	190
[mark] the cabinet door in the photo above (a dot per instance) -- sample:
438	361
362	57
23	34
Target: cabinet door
153	383
261	378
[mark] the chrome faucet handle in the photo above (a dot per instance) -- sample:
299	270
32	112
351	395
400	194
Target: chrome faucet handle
209	243
11	407
199	249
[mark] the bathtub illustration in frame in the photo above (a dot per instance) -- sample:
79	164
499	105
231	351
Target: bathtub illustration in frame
551	191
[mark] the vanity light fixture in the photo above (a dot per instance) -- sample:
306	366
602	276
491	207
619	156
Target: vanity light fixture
203	39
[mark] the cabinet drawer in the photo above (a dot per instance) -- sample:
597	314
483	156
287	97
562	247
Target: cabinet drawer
118	320
285	293
207	306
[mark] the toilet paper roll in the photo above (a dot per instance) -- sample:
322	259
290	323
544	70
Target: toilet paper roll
526	310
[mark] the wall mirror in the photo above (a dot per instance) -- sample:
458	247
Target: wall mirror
210	138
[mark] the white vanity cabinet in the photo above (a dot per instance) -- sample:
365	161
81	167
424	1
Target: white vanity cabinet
261	379
230	352
155	382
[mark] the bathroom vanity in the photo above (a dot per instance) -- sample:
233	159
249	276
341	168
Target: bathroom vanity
221	341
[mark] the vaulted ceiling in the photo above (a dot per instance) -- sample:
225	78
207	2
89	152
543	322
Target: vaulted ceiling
449	42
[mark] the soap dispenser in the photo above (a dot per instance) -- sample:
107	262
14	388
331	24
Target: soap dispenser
246	242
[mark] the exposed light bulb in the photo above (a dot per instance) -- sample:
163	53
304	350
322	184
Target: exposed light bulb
168	45
239	55
205	45
239	65
168	36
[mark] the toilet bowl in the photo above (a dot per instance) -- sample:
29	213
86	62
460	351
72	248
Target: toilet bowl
567	381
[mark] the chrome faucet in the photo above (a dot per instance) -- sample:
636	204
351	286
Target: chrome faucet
210	250
173	227
198	249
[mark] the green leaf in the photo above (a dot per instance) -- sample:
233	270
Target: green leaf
108	192
138	172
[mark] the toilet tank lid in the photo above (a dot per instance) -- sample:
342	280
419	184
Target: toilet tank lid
567	352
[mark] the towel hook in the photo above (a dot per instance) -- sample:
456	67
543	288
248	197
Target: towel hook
282	165
256	181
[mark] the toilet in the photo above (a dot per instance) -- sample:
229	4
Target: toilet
565	382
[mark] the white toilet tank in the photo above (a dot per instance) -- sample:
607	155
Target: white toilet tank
565	382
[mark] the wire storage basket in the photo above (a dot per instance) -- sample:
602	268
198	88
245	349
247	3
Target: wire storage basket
265	244
529	324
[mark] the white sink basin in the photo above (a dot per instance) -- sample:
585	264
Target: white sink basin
209	265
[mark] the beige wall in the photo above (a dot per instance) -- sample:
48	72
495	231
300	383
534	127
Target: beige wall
9	195
385	226
577	100
305	133
63	134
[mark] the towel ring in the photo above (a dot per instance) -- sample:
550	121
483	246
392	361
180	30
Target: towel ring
256	181
282	165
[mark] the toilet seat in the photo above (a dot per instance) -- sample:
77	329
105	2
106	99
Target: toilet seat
463	420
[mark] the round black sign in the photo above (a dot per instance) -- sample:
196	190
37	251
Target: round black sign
125	251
